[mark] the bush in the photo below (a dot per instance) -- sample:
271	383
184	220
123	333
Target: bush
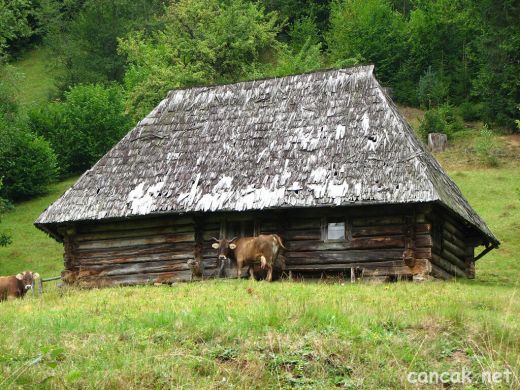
443	119
486	147
27	163
83	127
470	111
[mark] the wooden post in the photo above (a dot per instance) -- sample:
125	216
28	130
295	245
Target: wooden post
437	142
409	241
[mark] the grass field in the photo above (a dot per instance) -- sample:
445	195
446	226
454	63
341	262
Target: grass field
38	82
242	334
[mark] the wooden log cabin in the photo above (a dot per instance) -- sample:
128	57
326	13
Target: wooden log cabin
323	159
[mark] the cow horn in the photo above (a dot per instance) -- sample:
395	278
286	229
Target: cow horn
233	239
215	239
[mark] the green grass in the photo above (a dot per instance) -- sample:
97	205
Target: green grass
38	83
32	249
242	334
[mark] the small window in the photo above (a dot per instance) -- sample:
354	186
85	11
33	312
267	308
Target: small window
336	231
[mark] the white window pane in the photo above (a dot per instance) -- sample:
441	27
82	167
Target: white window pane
336	231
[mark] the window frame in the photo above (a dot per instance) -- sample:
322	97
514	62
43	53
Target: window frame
325	229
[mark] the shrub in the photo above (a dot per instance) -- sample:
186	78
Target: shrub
470	111
27	163
486	148
83	127
443	119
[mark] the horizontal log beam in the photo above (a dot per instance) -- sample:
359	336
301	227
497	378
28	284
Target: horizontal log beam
130	224
440	273
136	242
133	233
343	256
447	266
381	242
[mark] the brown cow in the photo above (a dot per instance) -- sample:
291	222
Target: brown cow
251	250
16	286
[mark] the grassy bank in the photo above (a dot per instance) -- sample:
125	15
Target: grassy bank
31	248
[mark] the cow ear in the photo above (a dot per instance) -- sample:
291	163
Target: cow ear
215	245
36	275
232	246
19	276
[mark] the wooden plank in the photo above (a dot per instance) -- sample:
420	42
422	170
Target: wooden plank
423	241
109	235
447	266
135	242
136	259
379	230
343	256
356	243
300	235
135	251
304	224
453	239
452	258
459	252
390	268
423	253
133	268
130	224
453	229
379	220
134	279
361	231
342	266
440	273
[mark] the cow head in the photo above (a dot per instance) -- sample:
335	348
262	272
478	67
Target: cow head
224	247
27	278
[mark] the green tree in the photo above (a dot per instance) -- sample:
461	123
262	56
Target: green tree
14	22
497	83
83	127
84	36
369	31
202	42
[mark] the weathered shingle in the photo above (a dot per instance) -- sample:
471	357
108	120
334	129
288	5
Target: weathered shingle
318	139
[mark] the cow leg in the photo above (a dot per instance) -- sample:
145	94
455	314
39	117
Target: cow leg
251	273
239	267
263	262
269	277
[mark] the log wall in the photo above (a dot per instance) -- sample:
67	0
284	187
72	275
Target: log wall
453	246
129	252
381	242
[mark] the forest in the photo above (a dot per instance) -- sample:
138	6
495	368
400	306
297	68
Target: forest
115	60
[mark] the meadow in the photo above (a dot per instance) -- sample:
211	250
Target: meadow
242	334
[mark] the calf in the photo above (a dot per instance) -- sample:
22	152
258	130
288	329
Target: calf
16	286
263	249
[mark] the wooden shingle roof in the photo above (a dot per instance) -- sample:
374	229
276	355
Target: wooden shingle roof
328	138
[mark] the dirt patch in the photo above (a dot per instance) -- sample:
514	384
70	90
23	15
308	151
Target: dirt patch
512	140
460	357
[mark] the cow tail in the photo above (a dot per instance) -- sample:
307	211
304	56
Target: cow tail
279	241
